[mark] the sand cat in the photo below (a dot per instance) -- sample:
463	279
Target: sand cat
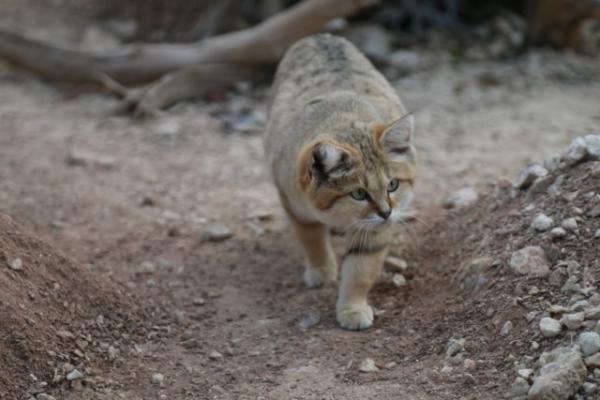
338	143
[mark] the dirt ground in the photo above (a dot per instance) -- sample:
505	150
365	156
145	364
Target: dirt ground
129	199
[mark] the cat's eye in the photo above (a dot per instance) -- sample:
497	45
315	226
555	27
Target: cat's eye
359	194
393	185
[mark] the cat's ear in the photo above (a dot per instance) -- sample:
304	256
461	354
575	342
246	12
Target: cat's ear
323	161
396	138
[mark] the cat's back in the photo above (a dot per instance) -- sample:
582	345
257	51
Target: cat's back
323	63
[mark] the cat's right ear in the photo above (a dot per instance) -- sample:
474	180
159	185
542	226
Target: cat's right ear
322	161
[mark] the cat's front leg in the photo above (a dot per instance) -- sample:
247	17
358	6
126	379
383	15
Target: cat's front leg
360	268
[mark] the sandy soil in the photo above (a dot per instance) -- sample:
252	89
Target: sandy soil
130	199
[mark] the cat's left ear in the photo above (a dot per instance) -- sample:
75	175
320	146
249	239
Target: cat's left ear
396	138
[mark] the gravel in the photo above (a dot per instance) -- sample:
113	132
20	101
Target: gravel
530	261
589	343
368	365
549	327
542	222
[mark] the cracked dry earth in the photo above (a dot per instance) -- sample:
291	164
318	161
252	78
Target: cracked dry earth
128	201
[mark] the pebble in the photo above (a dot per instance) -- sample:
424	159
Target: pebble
595	211
561	375
15	264
576	152
542	222
592	313
519	388
592	143
558	233
81	158
395	264
525	373
573	320
469	365
462	198
368	365
391	365
157	379
455	346
569	224
309	320
590	388
549	327
530	175
44	396
589	343
506	328
593	361
530	261
215	355
74	375
597	234
399	280
216	233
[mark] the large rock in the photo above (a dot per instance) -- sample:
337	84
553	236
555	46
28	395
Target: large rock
562	374
530	261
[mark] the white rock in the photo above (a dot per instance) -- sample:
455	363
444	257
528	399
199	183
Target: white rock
561	375
589	343
216	233
558	233
529	175
542	222
15	264
519	388
592	313
592	143
597	234
395	264
569	224
399	280
368	365
530	261
157	378
506	328
215	355
525	373
74	375
549	327
113	353
573	320
462	198
455	346
590	388
576	152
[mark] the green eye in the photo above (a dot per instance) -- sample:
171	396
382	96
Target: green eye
393	185
359	194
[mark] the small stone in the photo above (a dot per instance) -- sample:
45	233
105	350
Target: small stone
595	211
309	320
530	261
589	343
391	365
573	321
44	396
113	353
469	364
561	375
580	305
525	373
455	346
571	285
506	328
590	388
399	280
446	370
519	388
168	127
64	334
215	355
74	375
575	153
597	234
81	158
395	264
368	365
549	327
198	301
593	361
15	264
530	175
534	345
462	198
542	222
534	291
569	224
157	379
216	233
558	233
592	143
592	313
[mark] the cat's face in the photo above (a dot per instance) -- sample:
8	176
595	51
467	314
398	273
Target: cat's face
366	180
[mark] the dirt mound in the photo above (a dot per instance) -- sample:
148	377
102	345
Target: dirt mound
507	272
57	316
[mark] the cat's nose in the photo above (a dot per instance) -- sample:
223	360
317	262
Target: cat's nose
385	214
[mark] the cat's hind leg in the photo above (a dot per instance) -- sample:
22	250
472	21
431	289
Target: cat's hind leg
321	263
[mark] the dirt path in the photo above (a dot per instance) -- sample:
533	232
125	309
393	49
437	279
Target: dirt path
136	206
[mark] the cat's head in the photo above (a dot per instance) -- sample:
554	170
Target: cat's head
362	178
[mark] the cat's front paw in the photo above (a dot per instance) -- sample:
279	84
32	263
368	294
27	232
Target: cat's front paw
317	277
355	318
